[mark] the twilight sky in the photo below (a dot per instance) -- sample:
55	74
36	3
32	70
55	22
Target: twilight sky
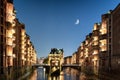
51	23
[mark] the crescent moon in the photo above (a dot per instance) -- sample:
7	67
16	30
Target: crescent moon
77	21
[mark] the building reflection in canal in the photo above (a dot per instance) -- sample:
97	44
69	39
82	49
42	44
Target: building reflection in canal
66	74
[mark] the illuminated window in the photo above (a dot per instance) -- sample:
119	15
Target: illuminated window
86	49
9	33
103	45
103	29
95	52
95	27
95	43
103	42
9	51
95	38
22	51
86	42
81	47
86	54
23	32
12	31
23	47
9	41
104	25
81	54
103	48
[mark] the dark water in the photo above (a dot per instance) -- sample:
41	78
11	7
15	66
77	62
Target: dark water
66	74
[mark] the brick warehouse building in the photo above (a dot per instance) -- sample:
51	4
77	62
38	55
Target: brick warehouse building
115	41
17	53
100	51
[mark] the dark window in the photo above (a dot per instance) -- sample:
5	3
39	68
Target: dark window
1	59
1	49
1	11
2	20
109	21
110	34
2	38
103	62
1	2
1	29
110	51
109	46
110	40
109	28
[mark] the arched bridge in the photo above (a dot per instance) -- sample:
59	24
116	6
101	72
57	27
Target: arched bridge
50	68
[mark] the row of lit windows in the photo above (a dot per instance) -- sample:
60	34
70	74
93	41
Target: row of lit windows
103	46
103	29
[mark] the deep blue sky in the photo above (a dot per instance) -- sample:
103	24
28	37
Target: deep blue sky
51	23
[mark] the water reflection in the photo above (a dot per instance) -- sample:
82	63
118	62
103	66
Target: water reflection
41	74
66	74
56	77
34	76
73	74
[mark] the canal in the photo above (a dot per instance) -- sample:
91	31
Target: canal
66	74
